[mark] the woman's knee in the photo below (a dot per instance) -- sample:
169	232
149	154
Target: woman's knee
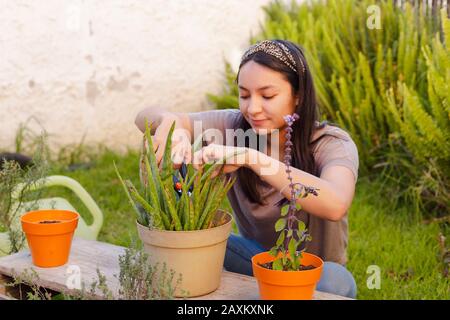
338	280
239	254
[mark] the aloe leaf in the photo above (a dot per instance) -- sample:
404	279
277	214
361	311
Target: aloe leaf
191	180
151	153
180	208
185	205
197	145
196	193
171	208
191	214
154	168
210	167
218	201
214	190
143	169
167	166
153	193
205	193
156	219
190	170
141	219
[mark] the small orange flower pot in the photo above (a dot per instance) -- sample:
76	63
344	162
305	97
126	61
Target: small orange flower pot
49	235
287	285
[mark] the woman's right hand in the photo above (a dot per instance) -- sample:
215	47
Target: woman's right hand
181	142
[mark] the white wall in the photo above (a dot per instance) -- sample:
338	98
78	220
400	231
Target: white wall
87	67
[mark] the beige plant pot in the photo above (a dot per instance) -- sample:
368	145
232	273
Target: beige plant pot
197	255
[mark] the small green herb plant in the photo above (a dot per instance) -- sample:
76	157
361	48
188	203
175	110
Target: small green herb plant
137	280
16	185
287	248
159	206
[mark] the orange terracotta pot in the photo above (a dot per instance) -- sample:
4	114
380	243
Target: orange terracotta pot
49	235
287	285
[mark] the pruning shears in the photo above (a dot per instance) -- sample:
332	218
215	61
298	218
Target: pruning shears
177	183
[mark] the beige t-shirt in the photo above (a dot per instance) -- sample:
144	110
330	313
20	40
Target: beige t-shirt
257	222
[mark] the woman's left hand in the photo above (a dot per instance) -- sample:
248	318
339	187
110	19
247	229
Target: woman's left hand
232	157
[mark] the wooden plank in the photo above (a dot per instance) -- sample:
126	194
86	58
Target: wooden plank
4	297
233	286
86	256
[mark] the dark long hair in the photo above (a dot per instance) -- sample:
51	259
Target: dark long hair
302	85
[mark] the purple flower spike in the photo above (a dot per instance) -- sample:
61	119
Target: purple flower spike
297	190
290	119
287	118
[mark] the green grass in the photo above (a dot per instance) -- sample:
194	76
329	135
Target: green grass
407	252
101	182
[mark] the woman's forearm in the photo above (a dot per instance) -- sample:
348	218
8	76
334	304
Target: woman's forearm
158	116
154	115
327	205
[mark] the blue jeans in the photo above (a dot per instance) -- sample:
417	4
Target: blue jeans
335	278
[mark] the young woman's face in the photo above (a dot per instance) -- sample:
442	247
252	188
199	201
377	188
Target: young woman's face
265	96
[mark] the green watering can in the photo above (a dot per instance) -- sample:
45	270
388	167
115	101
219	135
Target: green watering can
88	232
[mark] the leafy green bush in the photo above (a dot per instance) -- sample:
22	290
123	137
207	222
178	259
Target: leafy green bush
388	87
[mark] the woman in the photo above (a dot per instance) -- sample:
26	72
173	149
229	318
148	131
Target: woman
274	80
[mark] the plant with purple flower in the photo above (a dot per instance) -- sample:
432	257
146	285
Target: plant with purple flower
287	249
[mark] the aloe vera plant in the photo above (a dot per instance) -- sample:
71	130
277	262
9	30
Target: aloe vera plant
159	206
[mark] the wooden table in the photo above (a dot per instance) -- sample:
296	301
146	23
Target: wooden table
86	256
